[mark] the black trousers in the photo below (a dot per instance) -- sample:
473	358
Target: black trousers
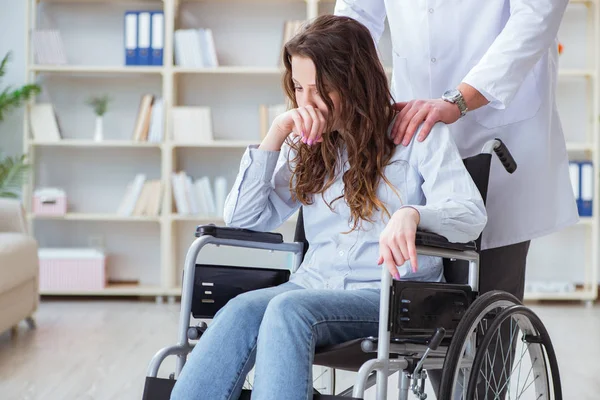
501	268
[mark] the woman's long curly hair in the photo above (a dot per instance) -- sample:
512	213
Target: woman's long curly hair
346	62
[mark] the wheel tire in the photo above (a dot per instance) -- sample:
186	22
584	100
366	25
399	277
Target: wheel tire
544	338
473	316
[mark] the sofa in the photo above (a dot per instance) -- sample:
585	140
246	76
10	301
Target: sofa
19	267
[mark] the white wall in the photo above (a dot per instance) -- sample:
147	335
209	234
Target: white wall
12	37
556	257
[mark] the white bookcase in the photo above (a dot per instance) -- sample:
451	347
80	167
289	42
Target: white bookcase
148	252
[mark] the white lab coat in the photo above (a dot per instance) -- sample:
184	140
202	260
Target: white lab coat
506	49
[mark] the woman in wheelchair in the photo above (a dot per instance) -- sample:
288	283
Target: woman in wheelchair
362	197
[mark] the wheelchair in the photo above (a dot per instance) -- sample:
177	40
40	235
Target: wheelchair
423	327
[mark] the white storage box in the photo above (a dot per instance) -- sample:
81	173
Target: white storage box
72	269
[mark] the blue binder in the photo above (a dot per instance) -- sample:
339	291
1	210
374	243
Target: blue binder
157	39
586	170
131	37
575	175
143	38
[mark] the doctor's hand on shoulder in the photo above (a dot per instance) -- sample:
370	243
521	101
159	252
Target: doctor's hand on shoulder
454	104
397	241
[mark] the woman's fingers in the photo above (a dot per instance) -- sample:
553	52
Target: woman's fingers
307	123
388	260
298	123
315	130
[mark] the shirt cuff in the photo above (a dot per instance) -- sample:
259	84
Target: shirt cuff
259	165
430	220
494	101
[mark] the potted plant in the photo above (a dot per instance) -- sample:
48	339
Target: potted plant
100	106
13	169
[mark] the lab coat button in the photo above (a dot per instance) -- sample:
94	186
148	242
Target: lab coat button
431	11
433	60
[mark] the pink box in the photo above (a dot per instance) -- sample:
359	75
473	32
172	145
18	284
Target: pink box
72	269
49	201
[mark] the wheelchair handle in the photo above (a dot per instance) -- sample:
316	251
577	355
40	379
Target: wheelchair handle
503	154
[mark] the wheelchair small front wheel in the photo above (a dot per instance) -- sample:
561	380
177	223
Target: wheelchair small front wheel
462	350
527	367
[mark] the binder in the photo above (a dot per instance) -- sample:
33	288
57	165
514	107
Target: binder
144	38
158	37
587	188
131	39
575	182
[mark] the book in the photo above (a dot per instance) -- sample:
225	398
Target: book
142	123
191	124
44	123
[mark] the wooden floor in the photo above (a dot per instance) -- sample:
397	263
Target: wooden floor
99	350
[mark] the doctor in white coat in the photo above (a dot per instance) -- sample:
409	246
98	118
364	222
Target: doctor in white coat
488	68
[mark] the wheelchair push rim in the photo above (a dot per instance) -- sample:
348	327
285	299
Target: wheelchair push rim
524	329
463	348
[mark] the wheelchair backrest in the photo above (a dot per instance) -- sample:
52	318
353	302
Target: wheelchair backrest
478	167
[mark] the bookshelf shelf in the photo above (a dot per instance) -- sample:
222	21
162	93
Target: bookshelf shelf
217	144
230	70
89	69
89	143
243	67
558	296
112	289
580	146
96	217
211	219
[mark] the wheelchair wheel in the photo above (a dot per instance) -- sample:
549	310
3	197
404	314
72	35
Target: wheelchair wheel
524	363
462	349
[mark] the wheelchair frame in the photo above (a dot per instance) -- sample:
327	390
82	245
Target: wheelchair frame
382	364
430	356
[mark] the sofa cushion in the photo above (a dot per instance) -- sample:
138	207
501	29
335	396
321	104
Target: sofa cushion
18	260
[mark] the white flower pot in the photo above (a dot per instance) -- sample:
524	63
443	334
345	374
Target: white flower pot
99	134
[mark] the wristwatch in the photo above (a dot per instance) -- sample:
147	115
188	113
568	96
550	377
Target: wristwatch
454	96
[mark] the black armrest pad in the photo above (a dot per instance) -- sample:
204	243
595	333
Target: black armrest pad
435	240
222	232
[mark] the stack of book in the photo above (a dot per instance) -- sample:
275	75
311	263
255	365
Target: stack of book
582	179
143	197
195	48
48	47
144	37
149	122
267	114
197	197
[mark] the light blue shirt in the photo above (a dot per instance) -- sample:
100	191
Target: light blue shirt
429	176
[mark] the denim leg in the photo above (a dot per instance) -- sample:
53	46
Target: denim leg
297	322
218	365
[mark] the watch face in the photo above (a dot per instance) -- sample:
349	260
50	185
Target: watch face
452	94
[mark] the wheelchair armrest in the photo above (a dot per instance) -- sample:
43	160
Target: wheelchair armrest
430	239
221	232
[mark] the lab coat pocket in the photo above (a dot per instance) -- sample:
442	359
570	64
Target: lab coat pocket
401	84
523	106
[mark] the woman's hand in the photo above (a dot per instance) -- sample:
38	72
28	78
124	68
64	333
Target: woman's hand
397	241
306	122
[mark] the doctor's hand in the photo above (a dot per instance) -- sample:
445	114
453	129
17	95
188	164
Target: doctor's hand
397	241
417	112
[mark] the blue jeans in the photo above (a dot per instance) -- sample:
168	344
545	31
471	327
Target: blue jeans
279	329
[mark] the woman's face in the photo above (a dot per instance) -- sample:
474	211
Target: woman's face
304	76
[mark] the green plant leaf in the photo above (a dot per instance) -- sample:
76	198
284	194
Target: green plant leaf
13	173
